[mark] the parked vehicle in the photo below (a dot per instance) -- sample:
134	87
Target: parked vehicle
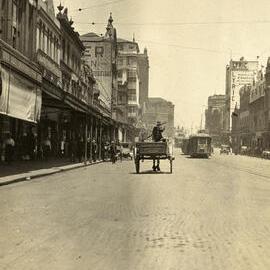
200	145
266	154
225	149
127	151
244	150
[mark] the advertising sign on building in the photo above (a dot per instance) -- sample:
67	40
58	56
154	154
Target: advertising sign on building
242	73
99	58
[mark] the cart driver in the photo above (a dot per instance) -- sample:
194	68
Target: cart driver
157	132
157	137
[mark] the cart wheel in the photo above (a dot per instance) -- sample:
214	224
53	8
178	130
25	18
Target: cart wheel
171	165
137	164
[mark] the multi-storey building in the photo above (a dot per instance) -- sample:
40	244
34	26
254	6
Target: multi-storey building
267	105
250	119
88	118
128	78
214	115
238	74
20	94
159	109
257	111
241	131
48	56
100	55
143	72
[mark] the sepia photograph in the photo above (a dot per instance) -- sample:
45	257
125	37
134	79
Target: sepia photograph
134	135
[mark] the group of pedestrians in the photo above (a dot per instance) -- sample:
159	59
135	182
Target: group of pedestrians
24	149
28	147
106	150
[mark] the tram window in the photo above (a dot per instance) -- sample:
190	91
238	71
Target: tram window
202	141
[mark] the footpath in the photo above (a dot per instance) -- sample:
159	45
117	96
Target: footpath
27	170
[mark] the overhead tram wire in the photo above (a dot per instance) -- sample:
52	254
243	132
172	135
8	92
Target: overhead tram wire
184	47
181	23
99	5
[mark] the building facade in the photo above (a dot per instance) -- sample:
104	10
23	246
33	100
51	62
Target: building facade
20	92
128	79
100	54
159	109
143	72
267	104
250	120
241	128
257	113
214	117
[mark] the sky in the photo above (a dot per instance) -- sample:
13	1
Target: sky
189	42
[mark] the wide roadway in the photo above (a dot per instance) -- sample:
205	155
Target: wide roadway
209	214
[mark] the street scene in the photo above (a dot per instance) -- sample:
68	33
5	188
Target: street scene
134	135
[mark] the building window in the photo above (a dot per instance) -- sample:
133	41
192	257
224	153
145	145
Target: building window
120	47
64	49
132	73
132	110
14	23
87	52
119	74
132	97
99	51
132	79
120	62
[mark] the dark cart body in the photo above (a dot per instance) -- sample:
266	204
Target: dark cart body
152	151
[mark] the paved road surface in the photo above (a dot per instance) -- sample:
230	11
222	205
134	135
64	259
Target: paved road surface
210	214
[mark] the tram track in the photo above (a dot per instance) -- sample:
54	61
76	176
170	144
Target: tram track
242	170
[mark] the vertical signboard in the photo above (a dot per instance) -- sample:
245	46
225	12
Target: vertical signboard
99	58
242	73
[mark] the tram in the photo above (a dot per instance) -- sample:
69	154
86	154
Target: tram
200	145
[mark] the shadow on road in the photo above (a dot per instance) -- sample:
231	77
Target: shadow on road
150	172
197	157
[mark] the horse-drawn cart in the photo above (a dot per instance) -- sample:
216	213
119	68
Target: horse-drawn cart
152	151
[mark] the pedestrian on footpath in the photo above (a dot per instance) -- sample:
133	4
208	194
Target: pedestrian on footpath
102	150
24	147
47	148
9	146
94	150
113	152
73	149
80	147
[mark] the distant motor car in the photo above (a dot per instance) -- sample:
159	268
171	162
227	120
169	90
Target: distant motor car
244	150
225	149
266	154
127	150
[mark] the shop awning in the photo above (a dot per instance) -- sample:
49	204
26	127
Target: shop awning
19	97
